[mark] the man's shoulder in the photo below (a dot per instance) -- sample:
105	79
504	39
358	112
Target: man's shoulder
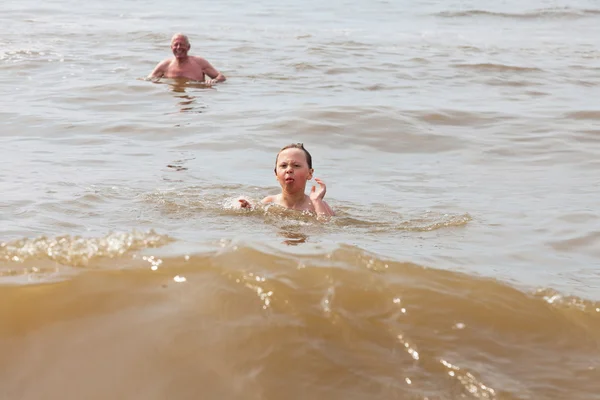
199	60
165	63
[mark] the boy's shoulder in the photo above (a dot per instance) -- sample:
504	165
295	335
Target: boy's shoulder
270	199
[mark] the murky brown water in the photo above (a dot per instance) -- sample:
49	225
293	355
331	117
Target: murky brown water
460	144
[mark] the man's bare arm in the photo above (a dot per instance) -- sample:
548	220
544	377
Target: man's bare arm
159	70
211	71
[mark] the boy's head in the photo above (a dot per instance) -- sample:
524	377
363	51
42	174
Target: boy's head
293	167
295	146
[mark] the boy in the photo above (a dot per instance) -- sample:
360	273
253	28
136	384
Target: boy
293	168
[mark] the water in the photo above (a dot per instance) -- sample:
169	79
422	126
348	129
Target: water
459	142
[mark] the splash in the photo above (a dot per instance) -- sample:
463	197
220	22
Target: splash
77	251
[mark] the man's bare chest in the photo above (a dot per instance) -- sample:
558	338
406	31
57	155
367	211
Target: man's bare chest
189	71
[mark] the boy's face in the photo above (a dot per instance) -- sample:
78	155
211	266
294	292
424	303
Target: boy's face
292	170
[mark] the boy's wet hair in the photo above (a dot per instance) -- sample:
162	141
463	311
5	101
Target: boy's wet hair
295	146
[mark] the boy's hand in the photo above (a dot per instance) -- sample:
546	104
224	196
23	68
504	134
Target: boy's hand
318	194
244	203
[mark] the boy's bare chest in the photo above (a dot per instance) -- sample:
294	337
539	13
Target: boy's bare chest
306	205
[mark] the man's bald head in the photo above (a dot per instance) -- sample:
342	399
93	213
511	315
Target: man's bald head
180	36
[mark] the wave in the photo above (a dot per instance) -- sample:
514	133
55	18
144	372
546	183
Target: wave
458	117
425	222
549	13
296	227
498	67
79	251
187	202
382	122
584	115
349	323
18	57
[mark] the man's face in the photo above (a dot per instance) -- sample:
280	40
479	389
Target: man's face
179	47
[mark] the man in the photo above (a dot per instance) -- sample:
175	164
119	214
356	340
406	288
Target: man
185	66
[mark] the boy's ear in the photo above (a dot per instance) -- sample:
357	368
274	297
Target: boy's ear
310	174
